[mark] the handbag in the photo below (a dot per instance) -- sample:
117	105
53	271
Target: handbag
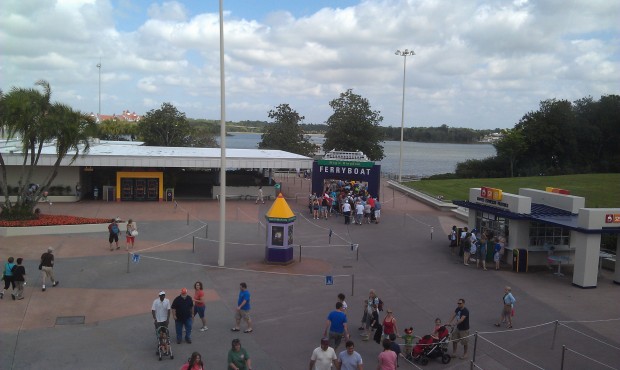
134	233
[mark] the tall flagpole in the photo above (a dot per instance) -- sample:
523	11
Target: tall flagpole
222	245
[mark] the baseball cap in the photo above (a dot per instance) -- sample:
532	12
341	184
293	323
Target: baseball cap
325	340
50	249
162	293
184	291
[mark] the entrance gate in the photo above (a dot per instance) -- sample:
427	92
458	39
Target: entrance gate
139	189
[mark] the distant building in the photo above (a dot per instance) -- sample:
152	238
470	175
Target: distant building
492	137
126	116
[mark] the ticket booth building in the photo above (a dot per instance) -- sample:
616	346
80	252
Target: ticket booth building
545	222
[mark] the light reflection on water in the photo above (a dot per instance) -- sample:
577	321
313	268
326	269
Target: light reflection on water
419	159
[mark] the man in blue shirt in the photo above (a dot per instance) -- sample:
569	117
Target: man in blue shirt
337	327
243	308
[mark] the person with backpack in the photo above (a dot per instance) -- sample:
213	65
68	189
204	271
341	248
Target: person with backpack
7	276
114	231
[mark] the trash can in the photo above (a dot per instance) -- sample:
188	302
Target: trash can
519	260
169	194
277	189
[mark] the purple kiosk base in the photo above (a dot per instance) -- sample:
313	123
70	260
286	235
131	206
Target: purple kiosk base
279	255
280	226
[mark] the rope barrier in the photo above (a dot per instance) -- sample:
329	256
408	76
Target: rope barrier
234	243
589	336
411	363
325	228
170	241
176	205
416	220
589	321
245	213
589	358
507	351
512	330
235	268
253	244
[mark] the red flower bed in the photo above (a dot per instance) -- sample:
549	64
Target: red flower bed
54	220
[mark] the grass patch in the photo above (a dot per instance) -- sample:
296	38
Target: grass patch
601	190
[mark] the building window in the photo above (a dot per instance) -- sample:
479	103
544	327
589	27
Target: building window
493	225
542	234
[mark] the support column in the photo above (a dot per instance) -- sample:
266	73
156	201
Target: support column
617	271
587	249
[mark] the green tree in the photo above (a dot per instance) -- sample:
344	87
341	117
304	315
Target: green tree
167	126
285	133
30	116
550	137
511	147
117	130
354	126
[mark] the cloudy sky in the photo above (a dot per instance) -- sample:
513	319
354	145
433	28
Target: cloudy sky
478	63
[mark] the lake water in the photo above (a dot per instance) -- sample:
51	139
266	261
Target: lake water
419	159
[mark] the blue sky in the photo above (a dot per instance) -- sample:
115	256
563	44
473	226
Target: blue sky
478	63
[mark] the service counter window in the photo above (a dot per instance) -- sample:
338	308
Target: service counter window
542	234
493	224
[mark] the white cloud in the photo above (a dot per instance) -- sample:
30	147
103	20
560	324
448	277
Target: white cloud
477	63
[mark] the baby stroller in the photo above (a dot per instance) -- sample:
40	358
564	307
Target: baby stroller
163	343
428	347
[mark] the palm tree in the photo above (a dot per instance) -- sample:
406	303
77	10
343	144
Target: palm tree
31	117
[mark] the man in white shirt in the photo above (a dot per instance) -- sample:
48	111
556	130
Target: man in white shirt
346	210
323	357
359	212
161	310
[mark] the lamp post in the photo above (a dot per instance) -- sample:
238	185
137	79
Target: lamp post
405	54
99	68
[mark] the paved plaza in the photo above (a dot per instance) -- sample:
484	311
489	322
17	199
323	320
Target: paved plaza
99	316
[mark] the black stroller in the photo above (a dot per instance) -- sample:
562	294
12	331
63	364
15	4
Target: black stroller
163	343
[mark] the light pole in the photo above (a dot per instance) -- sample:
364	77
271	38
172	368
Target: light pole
99	68
405	54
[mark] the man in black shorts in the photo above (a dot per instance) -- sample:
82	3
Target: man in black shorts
461	334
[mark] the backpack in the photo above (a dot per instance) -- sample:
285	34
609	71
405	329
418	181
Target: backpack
115	229
380	305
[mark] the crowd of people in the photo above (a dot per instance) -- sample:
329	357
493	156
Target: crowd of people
347	198
386	333
479	247
184	308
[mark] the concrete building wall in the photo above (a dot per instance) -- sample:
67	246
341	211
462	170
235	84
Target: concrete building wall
569	203
67	176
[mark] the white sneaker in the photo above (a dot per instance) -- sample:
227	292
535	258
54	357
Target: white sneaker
204	328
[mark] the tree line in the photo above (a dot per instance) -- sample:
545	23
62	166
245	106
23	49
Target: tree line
559	138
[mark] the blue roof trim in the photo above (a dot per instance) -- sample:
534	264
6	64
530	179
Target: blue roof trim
540	213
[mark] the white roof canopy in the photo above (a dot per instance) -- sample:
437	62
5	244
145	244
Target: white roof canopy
134	154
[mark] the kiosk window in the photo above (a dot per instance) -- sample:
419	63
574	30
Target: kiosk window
542	234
